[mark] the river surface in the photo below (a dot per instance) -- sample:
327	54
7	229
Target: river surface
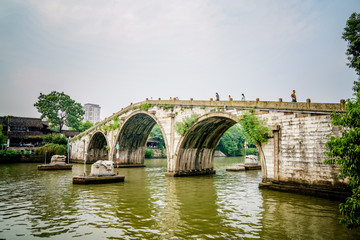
229	205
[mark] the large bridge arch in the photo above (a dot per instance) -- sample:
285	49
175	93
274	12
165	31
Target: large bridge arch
132	138
195	151
98	147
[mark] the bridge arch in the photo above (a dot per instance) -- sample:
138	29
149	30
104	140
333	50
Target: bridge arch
98	147
133	136
195	151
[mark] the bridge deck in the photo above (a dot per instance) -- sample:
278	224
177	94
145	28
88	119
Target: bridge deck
304	107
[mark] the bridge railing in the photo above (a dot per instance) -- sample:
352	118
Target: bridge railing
307	106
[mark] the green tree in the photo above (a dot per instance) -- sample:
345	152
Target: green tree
345	150
59	109
55	138
232	142
352	36
254	130
157	134
85	126
2	136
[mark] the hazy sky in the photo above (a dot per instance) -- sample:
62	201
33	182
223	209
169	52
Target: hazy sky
115	52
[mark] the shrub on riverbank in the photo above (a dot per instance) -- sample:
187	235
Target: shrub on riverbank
52	149
148	153
55	138
251	151
9	155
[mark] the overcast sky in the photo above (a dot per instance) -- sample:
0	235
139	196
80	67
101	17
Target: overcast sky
115	52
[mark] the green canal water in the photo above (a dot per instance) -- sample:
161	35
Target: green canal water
229	205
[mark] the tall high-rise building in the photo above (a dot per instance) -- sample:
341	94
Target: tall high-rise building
92	112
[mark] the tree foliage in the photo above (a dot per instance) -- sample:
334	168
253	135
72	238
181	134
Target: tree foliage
254	130
352	36
182	127
59	109
51	149
157	134
85	126
55	138
232	142
2	136
345	150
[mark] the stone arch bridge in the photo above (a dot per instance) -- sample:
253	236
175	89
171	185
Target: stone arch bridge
294	153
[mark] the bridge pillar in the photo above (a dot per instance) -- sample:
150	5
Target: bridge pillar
275	129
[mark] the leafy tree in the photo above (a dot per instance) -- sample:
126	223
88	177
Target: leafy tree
2	136
352	36
345	150
232	142
254	130
85	126
55	138
59	109
157	134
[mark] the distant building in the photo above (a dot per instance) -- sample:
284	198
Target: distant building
92	112
22	131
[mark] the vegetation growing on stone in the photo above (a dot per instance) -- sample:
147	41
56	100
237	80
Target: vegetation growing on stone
182	127
345	150
105	128
145	107
116	123
77	137
168	107
254	130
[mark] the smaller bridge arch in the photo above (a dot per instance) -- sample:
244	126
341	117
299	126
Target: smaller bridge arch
133	136
98	147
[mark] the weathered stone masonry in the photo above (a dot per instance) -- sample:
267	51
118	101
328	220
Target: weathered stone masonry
294	154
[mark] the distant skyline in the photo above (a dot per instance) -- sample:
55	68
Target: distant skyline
115	52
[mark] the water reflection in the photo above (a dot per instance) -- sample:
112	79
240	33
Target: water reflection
229	205
287	215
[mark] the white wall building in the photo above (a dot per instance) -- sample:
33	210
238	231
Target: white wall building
92	112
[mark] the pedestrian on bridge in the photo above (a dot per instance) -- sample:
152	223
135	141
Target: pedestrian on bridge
293	96
217	97
243	97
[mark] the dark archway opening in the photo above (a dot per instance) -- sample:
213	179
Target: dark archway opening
132	140
98	148
197	149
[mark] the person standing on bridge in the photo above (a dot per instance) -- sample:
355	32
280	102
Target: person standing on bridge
217	97
293	96
243	97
